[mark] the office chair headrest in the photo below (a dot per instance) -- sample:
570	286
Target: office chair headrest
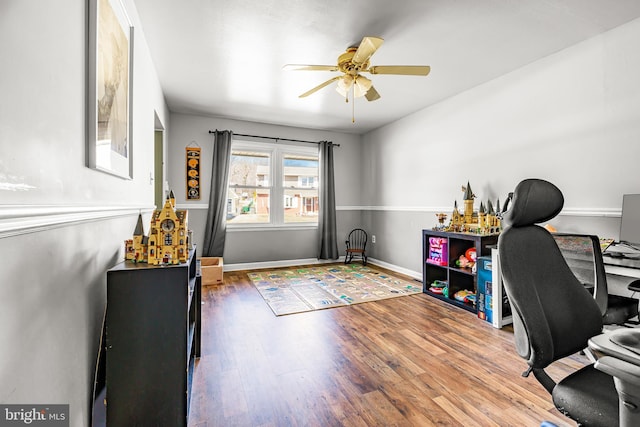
534	201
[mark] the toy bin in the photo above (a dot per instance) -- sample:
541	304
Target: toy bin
211	270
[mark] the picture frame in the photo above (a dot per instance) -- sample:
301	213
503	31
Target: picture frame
110	89
193	173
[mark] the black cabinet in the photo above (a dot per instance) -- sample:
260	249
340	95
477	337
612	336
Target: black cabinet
441	267
152	340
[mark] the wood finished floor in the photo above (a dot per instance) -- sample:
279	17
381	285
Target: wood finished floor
408	361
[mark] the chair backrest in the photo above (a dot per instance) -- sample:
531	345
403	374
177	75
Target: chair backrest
584	256
357	239
553	314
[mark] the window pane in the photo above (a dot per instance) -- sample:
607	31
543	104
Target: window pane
248	205
301	205
249	169
300	171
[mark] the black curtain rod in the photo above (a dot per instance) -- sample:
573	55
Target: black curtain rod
279	139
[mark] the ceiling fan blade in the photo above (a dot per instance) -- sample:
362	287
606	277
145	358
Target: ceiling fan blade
320	86
372	94
368	47
302	67
407	70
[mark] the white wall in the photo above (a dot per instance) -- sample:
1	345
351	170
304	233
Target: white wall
62	225
262	245
572	118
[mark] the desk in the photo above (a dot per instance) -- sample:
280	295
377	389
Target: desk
624	366
620	273
628	267
602	344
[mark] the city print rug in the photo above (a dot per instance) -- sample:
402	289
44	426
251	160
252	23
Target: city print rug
296	290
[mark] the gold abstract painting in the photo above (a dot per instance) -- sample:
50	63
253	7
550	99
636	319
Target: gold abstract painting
110	145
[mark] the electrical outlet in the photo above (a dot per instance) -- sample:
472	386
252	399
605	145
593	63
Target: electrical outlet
373	239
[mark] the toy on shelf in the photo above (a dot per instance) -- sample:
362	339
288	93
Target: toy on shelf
471	254
468	260
484	221
442	217
464	262
167	242
437	251
465	296
440	287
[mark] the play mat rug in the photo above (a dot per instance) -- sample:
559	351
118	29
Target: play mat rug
296	290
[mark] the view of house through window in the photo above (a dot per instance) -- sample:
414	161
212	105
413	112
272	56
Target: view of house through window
248	197
272	184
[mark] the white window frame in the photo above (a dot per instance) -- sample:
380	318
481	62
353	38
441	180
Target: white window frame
277	153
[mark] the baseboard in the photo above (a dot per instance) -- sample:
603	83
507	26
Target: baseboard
314	261
416	275
278	264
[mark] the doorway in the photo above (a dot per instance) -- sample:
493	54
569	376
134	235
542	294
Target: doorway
158	161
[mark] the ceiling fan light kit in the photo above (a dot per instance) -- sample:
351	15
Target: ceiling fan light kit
353	62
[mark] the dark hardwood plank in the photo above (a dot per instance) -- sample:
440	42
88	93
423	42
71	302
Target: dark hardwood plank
408	361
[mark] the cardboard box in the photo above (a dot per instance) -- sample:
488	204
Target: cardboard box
485	288
211	270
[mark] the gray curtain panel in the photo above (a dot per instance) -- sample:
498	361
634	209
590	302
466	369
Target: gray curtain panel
216	230
327	236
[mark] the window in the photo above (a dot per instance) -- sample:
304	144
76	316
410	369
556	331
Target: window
290	201
248	196
308	181
272	185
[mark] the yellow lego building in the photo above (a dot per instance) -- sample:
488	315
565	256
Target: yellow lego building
484	221
167	241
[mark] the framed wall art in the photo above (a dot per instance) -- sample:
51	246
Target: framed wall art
193	173
109	122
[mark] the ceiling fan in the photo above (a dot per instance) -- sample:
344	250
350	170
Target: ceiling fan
355	61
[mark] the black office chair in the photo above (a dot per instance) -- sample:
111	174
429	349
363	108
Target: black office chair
584	256
553	314
356	246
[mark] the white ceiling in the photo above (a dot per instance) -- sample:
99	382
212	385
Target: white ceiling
225	58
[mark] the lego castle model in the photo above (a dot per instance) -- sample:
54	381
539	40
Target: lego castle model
484	221
167	242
